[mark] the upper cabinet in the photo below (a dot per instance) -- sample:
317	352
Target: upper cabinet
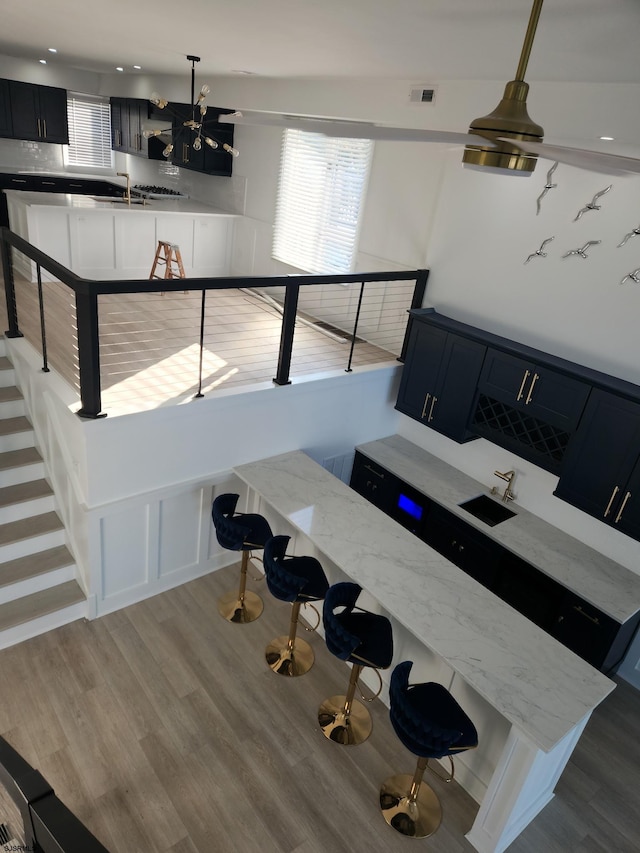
127	119
534	389
439	378
6	124
38	113
601	474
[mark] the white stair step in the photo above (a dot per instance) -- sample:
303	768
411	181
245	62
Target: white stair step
20	466
16	433
16	571
25	499
14	591
41	611
3	345
7	373
28	535
11	402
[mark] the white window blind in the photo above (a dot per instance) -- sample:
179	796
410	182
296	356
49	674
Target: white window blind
89	130
320	196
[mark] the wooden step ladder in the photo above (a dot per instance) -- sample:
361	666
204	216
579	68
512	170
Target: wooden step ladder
167	255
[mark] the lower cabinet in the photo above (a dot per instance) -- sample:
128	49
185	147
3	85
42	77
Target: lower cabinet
578	625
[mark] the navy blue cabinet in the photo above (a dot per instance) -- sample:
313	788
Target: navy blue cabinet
439	378
601	474
39	113
127	120
6	124
546	394
211	161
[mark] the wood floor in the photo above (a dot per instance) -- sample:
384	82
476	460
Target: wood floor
149	343
161	727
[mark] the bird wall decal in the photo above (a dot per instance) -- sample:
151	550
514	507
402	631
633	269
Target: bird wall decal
548	186
582	251
592	204
627	237
540	253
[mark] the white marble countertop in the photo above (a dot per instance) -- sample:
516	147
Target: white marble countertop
537	684
604	583
86	203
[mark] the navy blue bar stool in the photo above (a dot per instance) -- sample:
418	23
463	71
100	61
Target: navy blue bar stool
363	639
244	532
431	724
299	580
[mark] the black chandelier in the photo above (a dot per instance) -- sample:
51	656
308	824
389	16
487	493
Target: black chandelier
196	124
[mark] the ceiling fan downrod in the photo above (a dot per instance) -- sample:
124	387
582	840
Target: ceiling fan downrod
510	118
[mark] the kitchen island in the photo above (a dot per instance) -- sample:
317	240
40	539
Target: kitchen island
102	238
529	697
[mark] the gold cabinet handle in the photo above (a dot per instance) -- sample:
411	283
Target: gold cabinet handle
39	128
621	510
434	400
588	616
533	382
424	408
373	471
521	391
613	494
185	152
44	125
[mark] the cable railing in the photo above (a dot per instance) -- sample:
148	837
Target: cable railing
84	338
48	825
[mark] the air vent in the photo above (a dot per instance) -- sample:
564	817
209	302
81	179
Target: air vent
422	95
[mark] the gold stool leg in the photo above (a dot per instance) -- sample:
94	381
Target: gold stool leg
344	720
242	606
410	807
290	655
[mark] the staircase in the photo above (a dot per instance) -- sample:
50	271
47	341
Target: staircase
38	589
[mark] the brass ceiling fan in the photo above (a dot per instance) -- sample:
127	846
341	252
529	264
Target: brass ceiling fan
506	140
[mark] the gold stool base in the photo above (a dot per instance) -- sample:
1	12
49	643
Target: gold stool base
416	820
337	726
291	662
240	612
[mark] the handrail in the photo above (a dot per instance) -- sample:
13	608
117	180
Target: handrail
49	826
87	292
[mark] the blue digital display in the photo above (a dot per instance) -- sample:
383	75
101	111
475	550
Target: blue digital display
410	507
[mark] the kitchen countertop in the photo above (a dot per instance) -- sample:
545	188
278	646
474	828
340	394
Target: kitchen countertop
533	681
86	203
604	583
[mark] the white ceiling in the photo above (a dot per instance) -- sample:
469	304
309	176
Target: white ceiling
421	40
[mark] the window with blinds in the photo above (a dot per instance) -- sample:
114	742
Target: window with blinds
89	131
320	197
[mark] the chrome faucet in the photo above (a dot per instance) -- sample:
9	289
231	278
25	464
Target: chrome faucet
509	477
127	195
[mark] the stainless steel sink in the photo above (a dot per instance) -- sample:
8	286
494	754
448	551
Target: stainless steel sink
487	510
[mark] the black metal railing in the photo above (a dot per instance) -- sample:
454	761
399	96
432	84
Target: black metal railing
48	825
87	292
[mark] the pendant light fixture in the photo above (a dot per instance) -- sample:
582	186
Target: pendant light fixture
196	124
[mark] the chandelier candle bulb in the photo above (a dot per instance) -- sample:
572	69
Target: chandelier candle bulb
210	142
233	151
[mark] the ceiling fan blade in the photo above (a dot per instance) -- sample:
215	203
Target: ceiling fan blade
581	158
350	129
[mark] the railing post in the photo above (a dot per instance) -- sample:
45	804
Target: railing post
416	302
43	329
9	289
355	328
88	355
286	334
202	316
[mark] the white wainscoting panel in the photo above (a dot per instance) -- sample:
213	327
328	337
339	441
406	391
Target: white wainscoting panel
124	535
179	531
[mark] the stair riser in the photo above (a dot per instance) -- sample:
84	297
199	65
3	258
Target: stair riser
36	584
7	378
25	509
19	633
12	408
23	474
17	440
29	546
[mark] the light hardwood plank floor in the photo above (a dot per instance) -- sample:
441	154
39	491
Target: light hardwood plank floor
162	728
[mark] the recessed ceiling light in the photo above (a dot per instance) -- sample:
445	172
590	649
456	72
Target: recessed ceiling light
52	50
119	68
607	138
138	67
42	61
